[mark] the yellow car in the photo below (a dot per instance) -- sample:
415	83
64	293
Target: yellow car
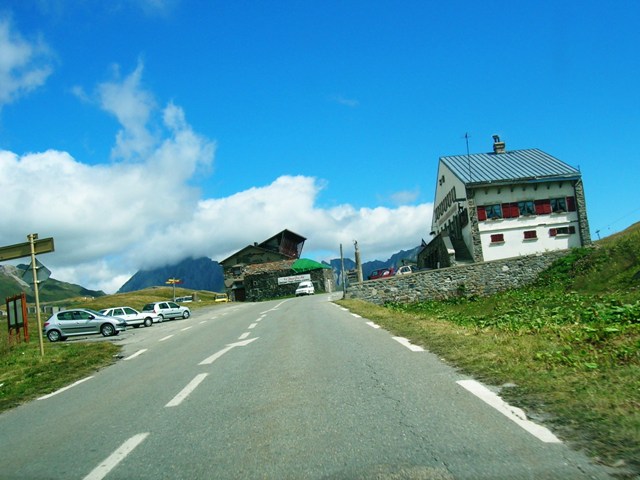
221	297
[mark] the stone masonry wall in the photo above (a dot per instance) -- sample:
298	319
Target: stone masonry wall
481	279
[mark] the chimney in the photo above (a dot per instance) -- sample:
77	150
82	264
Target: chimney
498	146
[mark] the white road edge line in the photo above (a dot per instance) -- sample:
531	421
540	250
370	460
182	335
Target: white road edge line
184	393
165	338
512	413
139	352
373	325
356	315
408	344
116	457
49	395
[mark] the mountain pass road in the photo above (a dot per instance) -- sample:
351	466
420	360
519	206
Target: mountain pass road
298	388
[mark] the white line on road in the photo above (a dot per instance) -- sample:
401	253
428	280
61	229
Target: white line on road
253	325
116	457
203	321
139	352
513	413
356	315
244	335
177	400
165	338
217	355
408	344
44	397
373	325
186	328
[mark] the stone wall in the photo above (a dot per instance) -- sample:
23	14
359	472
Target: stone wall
481	279
263	285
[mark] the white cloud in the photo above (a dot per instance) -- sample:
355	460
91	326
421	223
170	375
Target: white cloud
112	219
24	66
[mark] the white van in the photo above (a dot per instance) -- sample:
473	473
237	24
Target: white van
305	288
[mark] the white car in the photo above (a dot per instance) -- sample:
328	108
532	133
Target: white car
305	288
167	310
133	317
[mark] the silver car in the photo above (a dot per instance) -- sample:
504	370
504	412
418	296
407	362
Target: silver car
133	317
81	321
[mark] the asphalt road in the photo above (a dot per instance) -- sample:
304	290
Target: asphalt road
291	389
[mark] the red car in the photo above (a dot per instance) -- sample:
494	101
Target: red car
381	273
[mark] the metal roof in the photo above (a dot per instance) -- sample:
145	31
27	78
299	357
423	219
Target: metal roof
529	165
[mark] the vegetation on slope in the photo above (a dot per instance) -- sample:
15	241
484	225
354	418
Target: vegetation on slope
566	349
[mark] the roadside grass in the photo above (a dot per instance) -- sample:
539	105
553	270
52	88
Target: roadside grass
570	360
26	375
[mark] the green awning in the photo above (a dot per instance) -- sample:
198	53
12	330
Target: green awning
305	265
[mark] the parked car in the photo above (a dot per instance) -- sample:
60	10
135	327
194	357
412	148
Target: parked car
381	273
133	317
81	321
167	310
305	288
406	270
221	297
188	298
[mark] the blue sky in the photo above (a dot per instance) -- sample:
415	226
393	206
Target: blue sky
140	132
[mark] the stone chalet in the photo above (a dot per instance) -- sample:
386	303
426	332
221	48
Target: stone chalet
272	269
504	204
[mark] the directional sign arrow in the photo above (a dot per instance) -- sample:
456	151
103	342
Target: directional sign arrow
217	355
20	250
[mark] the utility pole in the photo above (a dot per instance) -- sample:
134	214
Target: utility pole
344	285
358	262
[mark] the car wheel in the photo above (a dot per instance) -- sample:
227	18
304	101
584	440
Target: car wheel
107	330
148	322
161	318
54	336
185	315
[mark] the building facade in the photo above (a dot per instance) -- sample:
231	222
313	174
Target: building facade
504	204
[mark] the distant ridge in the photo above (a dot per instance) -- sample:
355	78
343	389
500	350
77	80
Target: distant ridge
195	274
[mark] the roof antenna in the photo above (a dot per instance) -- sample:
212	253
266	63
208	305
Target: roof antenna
466	137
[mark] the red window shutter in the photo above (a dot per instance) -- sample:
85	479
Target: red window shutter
553	232
482	213
497	238
571	204
510	210
542	207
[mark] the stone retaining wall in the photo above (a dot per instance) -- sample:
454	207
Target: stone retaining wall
481	279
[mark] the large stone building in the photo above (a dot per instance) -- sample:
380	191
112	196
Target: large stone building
272	269
504	204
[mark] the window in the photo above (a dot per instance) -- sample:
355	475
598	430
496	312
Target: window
493	211
497	238
558	205
530	235
482	214
553	232
526	208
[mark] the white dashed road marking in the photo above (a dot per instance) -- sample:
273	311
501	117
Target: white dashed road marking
139	352
116	457
177	400
44	397
408	344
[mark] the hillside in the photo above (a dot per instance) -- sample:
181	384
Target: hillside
11	283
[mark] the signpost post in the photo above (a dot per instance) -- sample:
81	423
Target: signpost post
31	248
173	281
